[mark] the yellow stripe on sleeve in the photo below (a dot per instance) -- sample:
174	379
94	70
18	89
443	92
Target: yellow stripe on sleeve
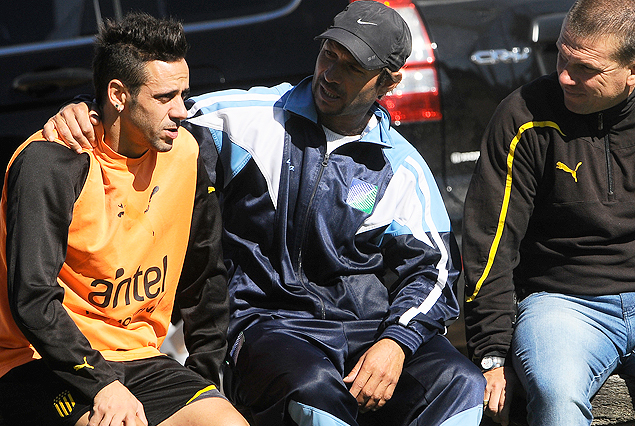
508	189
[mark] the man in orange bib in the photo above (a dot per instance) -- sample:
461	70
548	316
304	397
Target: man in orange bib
98	248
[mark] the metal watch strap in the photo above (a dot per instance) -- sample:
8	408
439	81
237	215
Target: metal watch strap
489	362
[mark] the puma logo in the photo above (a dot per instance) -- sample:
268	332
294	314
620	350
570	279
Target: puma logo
84	365
566	168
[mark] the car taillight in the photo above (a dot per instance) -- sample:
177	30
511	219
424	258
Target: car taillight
416	98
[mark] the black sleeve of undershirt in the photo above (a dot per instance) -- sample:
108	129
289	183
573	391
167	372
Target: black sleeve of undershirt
43	184
207	149
202	296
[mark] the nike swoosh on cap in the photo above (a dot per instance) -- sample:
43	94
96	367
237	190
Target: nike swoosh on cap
359	21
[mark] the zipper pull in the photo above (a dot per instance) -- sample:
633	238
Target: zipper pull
325	160
600	121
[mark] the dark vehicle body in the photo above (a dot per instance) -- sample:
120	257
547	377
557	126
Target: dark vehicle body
484	50
481	51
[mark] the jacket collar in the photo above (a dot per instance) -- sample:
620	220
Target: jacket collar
299	101
620	111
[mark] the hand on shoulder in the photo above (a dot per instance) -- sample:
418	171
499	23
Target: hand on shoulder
75	125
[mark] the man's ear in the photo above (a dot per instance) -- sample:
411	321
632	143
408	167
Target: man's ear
630	80
117	94
390	83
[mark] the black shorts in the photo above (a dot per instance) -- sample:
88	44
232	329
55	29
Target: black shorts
33	394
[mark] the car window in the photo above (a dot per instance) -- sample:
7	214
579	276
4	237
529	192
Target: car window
54	20
47	20
204	10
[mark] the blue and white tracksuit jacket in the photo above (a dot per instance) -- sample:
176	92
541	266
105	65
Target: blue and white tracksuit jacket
310	235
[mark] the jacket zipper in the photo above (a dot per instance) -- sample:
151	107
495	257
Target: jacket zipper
607	152
325	162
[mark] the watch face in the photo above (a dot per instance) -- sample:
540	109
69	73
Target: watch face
487	363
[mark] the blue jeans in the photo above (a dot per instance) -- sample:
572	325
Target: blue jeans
565	347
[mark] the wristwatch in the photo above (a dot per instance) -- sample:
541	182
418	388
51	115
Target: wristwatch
490	362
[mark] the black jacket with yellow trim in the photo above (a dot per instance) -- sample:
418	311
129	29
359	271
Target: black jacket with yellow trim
551	207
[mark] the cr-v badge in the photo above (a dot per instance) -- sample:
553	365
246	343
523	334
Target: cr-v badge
497	56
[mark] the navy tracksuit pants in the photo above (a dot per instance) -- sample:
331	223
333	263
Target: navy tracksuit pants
290	372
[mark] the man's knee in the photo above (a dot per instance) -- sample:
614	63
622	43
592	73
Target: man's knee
307	377
307	390
319	395
556	395
459	377
467	380
208	412
318	381
558	392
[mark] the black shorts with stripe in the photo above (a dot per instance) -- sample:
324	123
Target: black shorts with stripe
33	394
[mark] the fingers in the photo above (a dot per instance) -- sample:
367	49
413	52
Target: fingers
95	119
493	403
497	396
73	124
364	388
357	380
116	419
140	418
381	395
49	132
76	121
375	376
350	378
114	405
370	391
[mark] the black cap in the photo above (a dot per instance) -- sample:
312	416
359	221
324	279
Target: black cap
376	35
